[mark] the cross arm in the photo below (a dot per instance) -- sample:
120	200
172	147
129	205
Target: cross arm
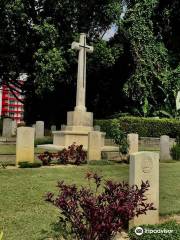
75	45
89	49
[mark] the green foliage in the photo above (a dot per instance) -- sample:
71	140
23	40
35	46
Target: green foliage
45	140
175	150
29	165
49	66
119	137
105	55
145	127
151	59
3	165
100	162
172	225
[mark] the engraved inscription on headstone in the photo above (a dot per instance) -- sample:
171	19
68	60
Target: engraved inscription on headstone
144	166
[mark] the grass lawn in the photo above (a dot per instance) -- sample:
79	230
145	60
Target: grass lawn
11	149
25	216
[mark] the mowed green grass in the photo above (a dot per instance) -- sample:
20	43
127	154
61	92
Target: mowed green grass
11	149
24	215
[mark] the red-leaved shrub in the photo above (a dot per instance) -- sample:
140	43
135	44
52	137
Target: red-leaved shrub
74	154
47	158
99	216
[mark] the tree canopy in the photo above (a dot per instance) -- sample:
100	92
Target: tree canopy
136	71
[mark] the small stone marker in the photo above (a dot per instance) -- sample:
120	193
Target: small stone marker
39	129
25	145
94	145
63	127
165	148
178	101
145	166
133	142
97	128
14	128
53	128
7	127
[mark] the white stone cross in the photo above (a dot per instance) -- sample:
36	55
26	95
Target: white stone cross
178	101
81	76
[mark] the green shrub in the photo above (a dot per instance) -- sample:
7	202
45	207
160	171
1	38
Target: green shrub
174	235
45	140
29	165
145	127
175	152
100	162
119	138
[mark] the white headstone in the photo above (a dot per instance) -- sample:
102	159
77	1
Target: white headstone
83	48
14	128
7	127
144	166
178	101
25	145
94	145
97	128
39	129
133	141
53	128
165	148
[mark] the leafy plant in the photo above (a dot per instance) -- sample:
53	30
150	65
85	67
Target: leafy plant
45	140
119	138
74	154
47	158
175	152
90	215
3	165
29	165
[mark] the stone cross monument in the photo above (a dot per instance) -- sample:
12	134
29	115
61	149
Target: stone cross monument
83	48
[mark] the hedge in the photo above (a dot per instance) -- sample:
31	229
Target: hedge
145	127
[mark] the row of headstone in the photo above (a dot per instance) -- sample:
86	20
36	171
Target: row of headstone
10	128
39	129
164	146
144	166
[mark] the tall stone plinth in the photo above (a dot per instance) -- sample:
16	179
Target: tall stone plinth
144	166
79	124
80	118
25	145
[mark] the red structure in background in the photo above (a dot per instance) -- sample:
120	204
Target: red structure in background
10	105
